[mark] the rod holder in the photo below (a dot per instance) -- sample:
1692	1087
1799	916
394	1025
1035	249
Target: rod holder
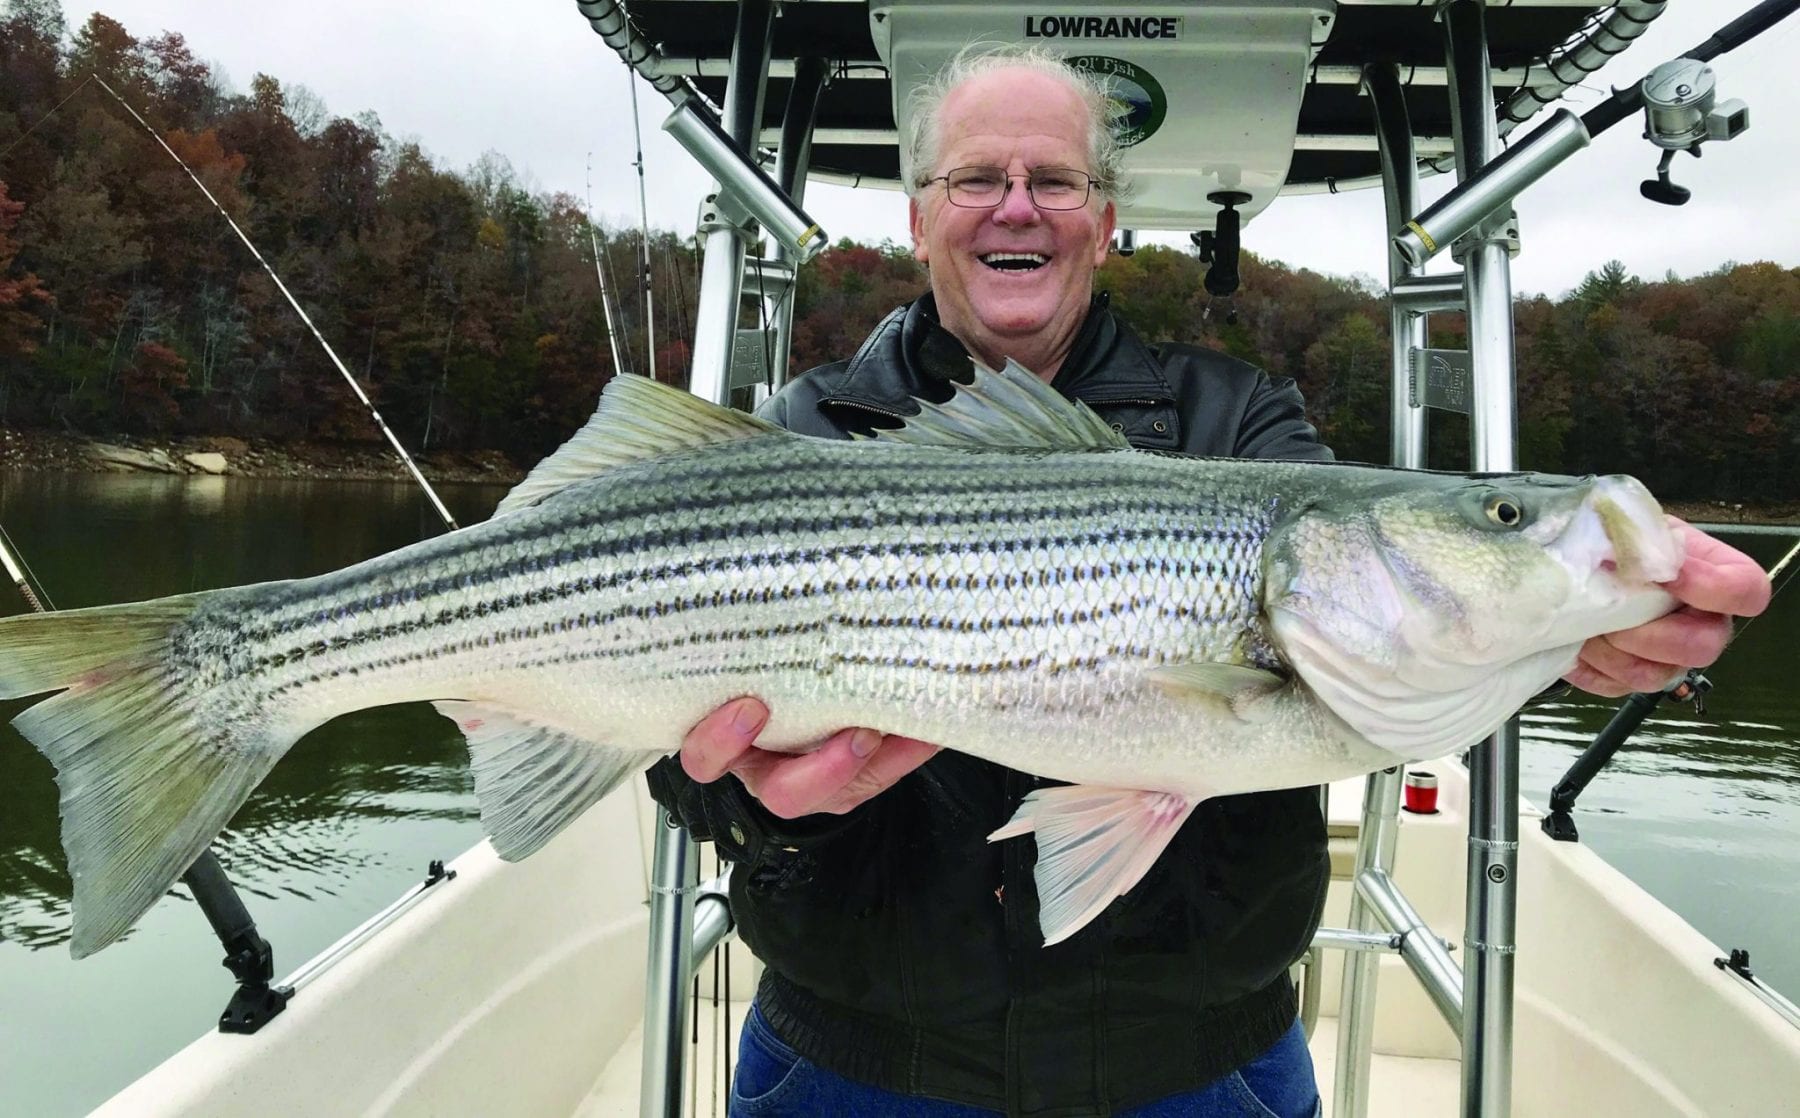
1489	191
700	135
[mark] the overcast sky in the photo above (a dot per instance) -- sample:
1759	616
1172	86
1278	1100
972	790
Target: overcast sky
529	79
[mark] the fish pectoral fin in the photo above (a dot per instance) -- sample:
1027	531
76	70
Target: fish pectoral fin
1093	845
637	419
531	780
1233	690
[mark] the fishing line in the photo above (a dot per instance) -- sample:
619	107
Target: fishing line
393	440
1774	589
84	84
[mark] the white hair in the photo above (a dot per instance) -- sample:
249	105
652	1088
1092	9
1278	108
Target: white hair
1105	153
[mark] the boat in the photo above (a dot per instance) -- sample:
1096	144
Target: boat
1471	963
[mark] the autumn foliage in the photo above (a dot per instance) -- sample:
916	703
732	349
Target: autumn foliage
467	306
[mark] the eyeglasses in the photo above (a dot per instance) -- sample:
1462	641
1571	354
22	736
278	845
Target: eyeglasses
983	188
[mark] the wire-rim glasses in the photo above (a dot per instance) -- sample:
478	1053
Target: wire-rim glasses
983	188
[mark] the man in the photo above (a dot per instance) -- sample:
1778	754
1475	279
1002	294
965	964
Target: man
906	974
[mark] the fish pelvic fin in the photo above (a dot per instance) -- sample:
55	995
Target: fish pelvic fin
1094	844
530	780
637	419
146	783
1011	408
1232	691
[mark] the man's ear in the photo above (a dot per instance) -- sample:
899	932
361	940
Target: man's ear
1109	217
916	218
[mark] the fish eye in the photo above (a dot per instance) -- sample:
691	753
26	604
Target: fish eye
1505	511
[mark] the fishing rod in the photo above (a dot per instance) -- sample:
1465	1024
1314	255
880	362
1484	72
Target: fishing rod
612	334
375	413
644	285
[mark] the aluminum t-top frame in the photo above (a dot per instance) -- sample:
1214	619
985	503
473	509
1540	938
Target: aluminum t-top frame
1477	1004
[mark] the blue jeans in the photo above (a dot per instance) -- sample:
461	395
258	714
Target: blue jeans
773	1081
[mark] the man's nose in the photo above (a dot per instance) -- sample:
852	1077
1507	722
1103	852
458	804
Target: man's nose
1016	206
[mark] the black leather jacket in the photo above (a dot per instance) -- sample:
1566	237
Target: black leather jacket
903	948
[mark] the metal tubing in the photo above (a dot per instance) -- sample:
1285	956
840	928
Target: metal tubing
1407	330
1406	447
1356	1007
676	873
1343	939
722	265
792	159
609	21
1421	295
676	876
713	924
1489	194
725	160
1423	952
1491	917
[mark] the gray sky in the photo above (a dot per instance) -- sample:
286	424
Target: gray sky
529	79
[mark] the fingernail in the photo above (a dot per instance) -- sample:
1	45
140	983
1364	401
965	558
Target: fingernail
863	742
749	718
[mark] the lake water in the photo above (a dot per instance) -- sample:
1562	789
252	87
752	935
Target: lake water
1703	811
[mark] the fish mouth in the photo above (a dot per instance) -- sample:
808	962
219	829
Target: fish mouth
1622	534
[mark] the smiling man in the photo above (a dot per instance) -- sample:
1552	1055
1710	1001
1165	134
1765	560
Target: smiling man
905	971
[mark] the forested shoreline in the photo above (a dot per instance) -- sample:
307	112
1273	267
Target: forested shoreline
468	307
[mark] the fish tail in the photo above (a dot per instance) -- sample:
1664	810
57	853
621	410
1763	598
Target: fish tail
145	784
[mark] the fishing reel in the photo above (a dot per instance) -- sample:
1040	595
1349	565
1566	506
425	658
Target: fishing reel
1680	114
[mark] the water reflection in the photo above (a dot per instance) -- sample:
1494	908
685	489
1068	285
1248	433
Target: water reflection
95	539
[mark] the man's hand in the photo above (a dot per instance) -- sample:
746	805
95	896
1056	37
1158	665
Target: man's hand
846	769
1717	582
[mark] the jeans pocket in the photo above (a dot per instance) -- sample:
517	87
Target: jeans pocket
768	1072
1280	1082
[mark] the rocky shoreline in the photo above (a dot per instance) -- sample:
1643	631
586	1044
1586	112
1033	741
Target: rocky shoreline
34	451
42	451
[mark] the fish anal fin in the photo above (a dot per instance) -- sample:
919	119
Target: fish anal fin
1232	690
637	419
1093	844
1009	408
532	780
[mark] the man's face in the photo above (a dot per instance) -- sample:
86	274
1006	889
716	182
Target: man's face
1018	120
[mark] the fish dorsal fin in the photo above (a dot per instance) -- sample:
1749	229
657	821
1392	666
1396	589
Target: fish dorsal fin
637	419
1011	408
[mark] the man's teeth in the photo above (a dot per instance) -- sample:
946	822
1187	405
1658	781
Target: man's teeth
1014	261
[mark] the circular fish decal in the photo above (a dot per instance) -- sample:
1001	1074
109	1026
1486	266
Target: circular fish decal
1138	98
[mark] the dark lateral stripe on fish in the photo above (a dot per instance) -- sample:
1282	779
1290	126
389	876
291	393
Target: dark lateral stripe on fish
671	573
765	485
317	609
735	597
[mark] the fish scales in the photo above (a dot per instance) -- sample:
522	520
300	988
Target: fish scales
1003	576
927	582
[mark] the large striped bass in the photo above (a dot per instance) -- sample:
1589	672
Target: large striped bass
1004	576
